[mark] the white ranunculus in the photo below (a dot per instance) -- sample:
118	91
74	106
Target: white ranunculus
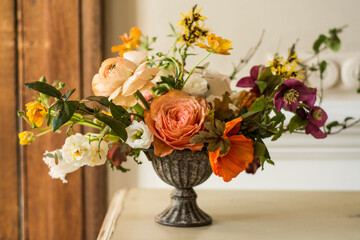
196	85
58	171
139	135
218	83
77	150
98	154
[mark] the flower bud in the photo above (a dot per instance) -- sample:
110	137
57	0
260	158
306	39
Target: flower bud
26	138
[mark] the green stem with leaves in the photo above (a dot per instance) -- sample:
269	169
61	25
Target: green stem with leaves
192	70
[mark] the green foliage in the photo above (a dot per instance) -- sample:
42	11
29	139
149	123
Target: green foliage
296	122
116	126
65	111
316	46
166	84
44	88
68	94
332	41
259	105
322	67
213	137
99	99
119	113
135	153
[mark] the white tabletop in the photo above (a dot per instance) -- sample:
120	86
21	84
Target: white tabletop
250	215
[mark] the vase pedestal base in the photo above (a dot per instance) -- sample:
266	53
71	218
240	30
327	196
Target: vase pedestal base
183	210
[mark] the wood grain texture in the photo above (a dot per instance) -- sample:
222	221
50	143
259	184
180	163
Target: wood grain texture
95	190
9	203
49	45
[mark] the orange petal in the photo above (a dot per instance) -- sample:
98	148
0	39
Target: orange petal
161	149
231	126
235	161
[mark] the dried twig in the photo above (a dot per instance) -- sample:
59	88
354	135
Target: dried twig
243	61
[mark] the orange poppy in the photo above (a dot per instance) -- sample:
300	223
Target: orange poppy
238	157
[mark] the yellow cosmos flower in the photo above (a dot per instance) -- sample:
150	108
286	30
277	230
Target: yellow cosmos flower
36	112
26	137
217	45
131	42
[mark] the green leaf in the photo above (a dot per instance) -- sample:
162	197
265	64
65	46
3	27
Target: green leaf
332	124
102	100
296	122
258	106
119	113
117	126
316	46
333	42
322	67
44	88
259	149
263	75
64	115
68	94
348	118
262	85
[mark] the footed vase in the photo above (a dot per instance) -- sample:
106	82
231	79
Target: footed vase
183	170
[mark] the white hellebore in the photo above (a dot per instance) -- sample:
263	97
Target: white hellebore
59	170
77	150
218	83
139	135
196	85
98	154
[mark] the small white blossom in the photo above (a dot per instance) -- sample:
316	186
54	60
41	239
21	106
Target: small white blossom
98	154
59	170
77	150
196	85
139	135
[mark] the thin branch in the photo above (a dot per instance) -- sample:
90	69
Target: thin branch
243	61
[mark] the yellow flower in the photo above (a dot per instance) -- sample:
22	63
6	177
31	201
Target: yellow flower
26	137
36	112
287	68
192	25
217	45
131	42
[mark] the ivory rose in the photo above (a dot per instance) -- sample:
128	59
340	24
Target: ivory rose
174	118
119	78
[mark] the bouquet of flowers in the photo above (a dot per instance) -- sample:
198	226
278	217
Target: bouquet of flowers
143	100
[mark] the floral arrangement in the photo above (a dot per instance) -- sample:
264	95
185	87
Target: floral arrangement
157	101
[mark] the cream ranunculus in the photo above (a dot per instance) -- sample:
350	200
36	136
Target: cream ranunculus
119	78
218	83
139	135
98	153
77	150
196	85
59	170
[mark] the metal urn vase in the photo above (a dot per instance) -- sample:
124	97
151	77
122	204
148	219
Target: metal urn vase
183	170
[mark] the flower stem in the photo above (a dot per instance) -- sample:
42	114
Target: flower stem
192	70
43	133
139	95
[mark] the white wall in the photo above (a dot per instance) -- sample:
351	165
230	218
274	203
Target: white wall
301	162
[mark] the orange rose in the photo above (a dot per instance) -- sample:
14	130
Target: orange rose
119	78
174	118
